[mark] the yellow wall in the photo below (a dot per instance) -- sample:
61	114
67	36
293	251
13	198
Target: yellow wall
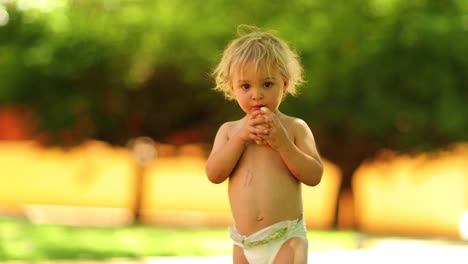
179	188
92	175
175	186
421	195
425	194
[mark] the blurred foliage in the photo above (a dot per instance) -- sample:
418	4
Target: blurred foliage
381	73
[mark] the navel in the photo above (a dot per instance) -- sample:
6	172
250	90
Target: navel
259	218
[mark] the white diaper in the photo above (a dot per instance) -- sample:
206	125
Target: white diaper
262	246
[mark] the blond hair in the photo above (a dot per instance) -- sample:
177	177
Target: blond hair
262	48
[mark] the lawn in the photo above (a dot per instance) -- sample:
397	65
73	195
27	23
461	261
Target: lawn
22	240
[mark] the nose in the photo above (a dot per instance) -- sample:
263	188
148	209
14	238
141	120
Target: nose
257	93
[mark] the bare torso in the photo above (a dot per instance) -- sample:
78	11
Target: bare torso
262	190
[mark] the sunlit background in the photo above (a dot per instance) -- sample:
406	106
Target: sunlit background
107	117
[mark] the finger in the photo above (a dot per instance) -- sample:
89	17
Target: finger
265	110
273	121
262	129
255	137
258	130
259	122
255	113
270	117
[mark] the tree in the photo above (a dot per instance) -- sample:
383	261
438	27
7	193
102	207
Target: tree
381	74
395	78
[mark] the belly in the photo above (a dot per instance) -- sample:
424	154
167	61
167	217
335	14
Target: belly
262	191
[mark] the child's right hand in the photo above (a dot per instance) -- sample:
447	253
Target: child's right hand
252	127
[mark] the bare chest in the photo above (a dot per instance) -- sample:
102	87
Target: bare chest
261	165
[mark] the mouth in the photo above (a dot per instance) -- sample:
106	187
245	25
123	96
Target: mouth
257	107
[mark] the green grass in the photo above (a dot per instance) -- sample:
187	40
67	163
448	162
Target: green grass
21	240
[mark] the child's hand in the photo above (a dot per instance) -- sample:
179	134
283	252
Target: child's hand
275	135
253	128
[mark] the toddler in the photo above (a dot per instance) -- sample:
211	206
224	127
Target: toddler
267	154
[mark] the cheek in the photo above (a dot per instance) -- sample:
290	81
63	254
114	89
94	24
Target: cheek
241	98
245	99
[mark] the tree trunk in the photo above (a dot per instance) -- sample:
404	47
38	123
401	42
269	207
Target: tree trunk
347	152
138	193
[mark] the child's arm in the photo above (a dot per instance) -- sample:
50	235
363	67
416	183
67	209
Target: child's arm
227	150
224	155
301	156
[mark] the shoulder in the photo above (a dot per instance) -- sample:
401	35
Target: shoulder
297	128
301	127
227	127
302	136
295	123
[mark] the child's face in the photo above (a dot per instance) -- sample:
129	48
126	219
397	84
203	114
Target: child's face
254	88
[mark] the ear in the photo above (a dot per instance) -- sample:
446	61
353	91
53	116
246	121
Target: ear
285	86
231	86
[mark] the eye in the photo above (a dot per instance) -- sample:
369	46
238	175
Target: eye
245	86
268	84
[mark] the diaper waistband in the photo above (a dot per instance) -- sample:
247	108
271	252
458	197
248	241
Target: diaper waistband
265	235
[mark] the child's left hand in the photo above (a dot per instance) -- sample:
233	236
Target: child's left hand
277	136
